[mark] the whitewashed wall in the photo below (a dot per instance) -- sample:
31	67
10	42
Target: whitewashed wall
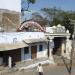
49	29
20	36
28	56
42	53
22	54
25	57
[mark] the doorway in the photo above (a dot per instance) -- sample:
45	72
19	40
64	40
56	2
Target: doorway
57	45
33	52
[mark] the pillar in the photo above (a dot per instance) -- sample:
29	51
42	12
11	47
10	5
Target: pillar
22	54
63	48
68	47
10	62
51	46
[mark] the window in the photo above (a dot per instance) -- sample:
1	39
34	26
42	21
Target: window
40	47
26	50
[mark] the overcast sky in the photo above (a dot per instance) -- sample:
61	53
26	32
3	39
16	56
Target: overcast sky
11	5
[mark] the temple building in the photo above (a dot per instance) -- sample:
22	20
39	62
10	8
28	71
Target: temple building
32	42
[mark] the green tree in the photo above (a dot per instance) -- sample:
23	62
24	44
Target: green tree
30	2
66	22
57	16
28	5
39	18
55	22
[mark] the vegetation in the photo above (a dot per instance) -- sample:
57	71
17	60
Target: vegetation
39	18
28	2
54	16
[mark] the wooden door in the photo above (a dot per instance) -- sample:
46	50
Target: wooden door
33	52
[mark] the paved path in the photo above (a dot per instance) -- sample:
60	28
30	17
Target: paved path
48	70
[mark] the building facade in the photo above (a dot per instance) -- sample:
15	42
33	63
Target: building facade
24	46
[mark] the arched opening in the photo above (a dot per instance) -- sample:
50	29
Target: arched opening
30	26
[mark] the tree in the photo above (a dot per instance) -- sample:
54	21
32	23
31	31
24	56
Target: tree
57	16
28	4
66	22
55	22
39	18
50	12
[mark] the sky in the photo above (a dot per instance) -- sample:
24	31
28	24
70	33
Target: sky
14	5
66	5
62	4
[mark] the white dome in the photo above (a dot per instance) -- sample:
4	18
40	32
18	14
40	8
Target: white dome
59	25
54	26
67	31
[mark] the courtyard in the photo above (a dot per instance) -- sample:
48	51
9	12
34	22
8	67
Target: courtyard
48	70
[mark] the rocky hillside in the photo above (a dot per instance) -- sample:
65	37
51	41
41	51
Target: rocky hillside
9	20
